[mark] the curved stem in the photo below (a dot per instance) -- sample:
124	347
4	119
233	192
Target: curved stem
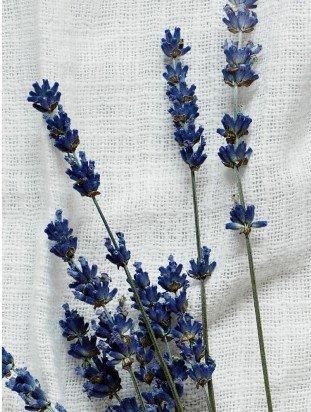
145	317
203	292
256	301
137	390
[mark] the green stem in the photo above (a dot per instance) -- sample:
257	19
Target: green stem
256	302
145	317
118	398
137	390
208	403
203	292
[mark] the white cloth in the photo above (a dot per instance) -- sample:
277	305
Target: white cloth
106	56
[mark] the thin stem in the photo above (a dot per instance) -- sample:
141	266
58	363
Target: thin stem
113	240
196	213
137	390
239	185
208	403
256	300
118	398
145	317
203	292
258	323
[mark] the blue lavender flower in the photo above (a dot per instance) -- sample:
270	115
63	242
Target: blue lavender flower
66	140
85	348
189	135
59	408
126	405
149	296
144	355
193	352
177	303
96	293
161	319
187	329
88	287
236	56
183	113
73	326
242	219
84	276
146	373
7	363
234	127
108	325
160	399
44	98
242	21
141	278
235	156
118	255
29	390
83	173
177	368
194	158
243	4
201	373
182	94
121	350
175	75
172	45
102	379
171	278
58	124
202	268
243	76
60	233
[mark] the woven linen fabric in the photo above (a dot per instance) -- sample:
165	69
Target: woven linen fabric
106	56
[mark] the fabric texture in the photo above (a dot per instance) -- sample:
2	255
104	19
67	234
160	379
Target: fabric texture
106	56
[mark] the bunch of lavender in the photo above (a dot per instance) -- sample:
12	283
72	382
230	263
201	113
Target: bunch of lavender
238	73
86	182
26	386
115	339
184	112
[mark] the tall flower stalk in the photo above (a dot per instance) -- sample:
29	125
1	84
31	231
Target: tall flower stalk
184	111
238	73
46	99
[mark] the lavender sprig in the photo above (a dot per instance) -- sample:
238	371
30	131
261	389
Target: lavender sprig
184	112
239	72
26	386
87	182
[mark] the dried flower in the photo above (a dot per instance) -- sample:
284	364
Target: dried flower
242	219
234	127
172	45
59	232
44	98
235	156
73	326
83	173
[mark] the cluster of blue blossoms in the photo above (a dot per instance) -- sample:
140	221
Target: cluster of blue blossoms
113	342
45	98
184	108
26	386
237	73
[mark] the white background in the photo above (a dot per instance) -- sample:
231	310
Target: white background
107	59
